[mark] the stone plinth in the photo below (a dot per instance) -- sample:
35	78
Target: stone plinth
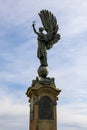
42	97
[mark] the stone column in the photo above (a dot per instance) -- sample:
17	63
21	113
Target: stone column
43	96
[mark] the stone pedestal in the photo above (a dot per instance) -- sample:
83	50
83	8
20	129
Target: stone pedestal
42	97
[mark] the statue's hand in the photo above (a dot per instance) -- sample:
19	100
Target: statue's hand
33	23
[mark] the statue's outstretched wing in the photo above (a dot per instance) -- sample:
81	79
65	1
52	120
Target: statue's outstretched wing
50	24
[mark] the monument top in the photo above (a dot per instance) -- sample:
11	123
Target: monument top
46	40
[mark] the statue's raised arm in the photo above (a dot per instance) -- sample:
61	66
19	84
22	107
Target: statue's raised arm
46	40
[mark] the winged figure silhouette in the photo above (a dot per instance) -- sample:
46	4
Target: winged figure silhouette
48	39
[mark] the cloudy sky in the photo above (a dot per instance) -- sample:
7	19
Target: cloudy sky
67	61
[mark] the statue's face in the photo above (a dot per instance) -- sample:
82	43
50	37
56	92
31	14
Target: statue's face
41	29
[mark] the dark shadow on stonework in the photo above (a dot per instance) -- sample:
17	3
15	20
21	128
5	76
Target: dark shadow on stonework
45	108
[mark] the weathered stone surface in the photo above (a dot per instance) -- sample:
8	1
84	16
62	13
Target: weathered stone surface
43	99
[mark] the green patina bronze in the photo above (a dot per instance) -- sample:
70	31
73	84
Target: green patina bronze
46	40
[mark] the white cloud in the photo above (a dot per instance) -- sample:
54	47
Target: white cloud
12	103
14	110
72	116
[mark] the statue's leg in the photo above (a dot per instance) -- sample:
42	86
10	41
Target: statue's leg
43	61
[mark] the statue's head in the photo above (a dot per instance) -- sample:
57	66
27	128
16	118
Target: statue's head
41	29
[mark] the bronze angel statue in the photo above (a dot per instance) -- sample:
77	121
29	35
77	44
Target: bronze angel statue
48	39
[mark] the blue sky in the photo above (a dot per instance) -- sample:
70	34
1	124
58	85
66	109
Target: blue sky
67	61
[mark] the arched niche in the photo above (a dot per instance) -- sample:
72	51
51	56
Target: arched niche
45	108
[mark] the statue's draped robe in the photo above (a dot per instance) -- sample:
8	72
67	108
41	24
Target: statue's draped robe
42	51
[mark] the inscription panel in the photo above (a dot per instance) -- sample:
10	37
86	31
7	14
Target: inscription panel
45	108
